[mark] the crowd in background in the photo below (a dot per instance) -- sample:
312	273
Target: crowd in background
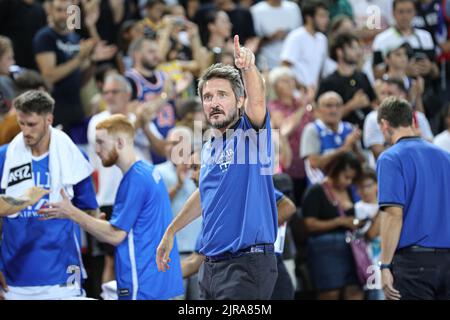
327	65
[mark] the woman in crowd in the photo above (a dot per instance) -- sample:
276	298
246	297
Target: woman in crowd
329	213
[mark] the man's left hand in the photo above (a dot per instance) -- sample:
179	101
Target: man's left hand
244	58
388	285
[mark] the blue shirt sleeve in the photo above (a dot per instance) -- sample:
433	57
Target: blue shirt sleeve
248	125
3	149
84	193
278	195
43	42
130	200
391	183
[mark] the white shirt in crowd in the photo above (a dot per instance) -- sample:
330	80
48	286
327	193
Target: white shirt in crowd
364	210
307	53
420	39
267	20
442	140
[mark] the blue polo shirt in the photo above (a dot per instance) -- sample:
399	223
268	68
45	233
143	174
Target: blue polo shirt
415	175
236	190
142	210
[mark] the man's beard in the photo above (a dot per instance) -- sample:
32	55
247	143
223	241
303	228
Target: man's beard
147	65
224	123
316	27
349	61
111	160
61	26
36	141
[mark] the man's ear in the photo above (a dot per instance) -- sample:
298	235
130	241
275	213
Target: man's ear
49	119
120	142
241	102
384	124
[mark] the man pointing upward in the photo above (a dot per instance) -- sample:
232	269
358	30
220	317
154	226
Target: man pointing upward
235	198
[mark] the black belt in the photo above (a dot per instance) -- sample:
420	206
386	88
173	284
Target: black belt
419	249
258	248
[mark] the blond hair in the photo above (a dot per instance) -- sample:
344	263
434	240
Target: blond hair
116	124
5	45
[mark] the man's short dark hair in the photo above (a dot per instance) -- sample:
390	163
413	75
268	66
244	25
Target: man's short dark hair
34	101
341	40
398	112
30	80
310	8
396	2
396	82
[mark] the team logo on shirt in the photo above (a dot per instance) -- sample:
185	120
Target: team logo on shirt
19	174
225	159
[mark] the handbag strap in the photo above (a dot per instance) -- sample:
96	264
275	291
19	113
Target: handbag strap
330	196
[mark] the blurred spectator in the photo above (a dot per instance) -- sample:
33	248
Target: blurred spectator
154	90
181	50
23	81
326	136
430	17
8	123
242	22
175	174
112	14
305	49
330	257
7	88
445	55
129	31
339	7
190	113
153	19
421	41
240	18
373	137
352	85
273	20
443	139
396	58
63	59
19	21
216	35
367	210
343	24
289	113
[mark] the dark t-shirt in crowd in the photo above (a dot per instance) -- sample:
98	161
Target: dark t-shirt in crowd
20	21
242	21
66	92
347	86
316	204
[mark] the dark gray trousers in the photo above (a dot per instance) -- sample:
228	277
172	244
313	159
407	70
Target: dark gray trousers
251	276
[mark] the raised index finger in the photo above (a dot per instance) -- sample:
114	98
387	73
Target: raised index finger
237	47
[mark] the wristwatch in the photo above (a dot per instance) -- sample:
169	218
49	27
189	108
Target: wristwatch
384	265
